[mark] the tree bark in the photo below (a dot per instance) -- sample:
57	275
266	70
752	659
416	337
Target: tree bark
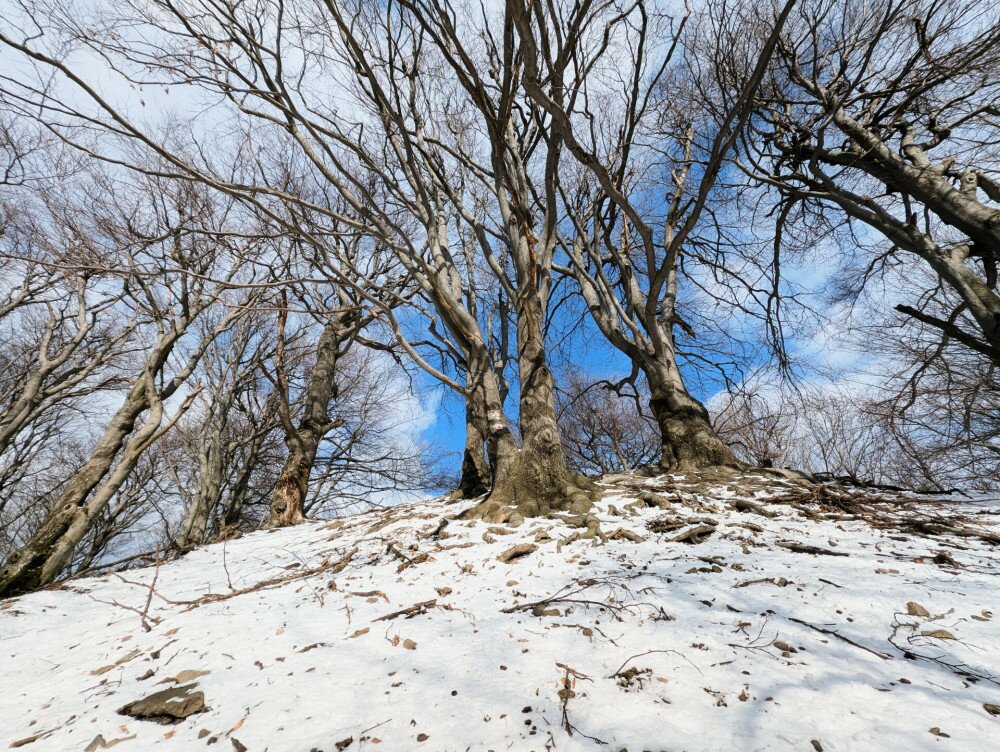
209	489
475	479
289	495
536	479
689	441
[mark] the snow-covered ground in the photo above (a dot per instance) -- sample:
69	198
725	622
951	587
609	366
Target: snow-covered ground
639	642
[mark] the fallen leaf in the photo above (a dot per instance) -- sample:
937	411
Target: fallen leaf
915	609
940	634
409	644
189	674
358	633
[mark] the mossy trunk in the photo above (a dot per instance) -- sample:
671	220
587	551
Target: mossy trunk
208	491
50	549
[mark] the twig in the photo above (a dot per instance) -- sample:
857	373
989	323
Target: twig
409	612
648	652
334	567
839	636
149	597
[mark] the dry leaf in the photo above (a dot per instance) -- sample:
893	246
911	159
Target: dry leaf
409	644
358	633
940	634
189	674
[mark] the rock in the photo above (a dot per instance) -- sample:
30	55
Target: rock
443	591
167	706
517	552
938	732
939	634
991	708
915	609
783	646
344	743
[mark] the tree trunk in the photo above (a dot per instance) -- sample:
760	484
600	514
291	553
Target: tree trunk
289	496
689	442
42	559
208	492
475	480
535	480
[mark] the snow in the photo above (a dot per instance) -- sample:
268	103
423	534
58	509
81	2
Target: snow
291	656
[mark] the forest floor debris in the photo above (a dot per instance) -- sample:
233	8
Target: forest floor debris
704	621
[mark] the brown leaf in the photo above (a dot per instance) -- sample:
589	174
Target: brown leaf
358	633
189	674
409	644
940	634
915	609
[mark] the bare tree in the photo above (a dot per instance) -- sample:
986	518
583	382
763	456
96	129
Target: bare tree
605	432
625	247
214	454
884	118
391	192
165	246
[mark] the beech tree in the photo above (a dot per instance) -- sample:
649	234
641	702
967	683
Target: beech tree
882	119
625	246
417	169
163	246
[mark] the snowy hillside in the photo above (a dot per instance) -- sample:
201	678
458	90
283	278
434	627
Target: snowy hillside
689	620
